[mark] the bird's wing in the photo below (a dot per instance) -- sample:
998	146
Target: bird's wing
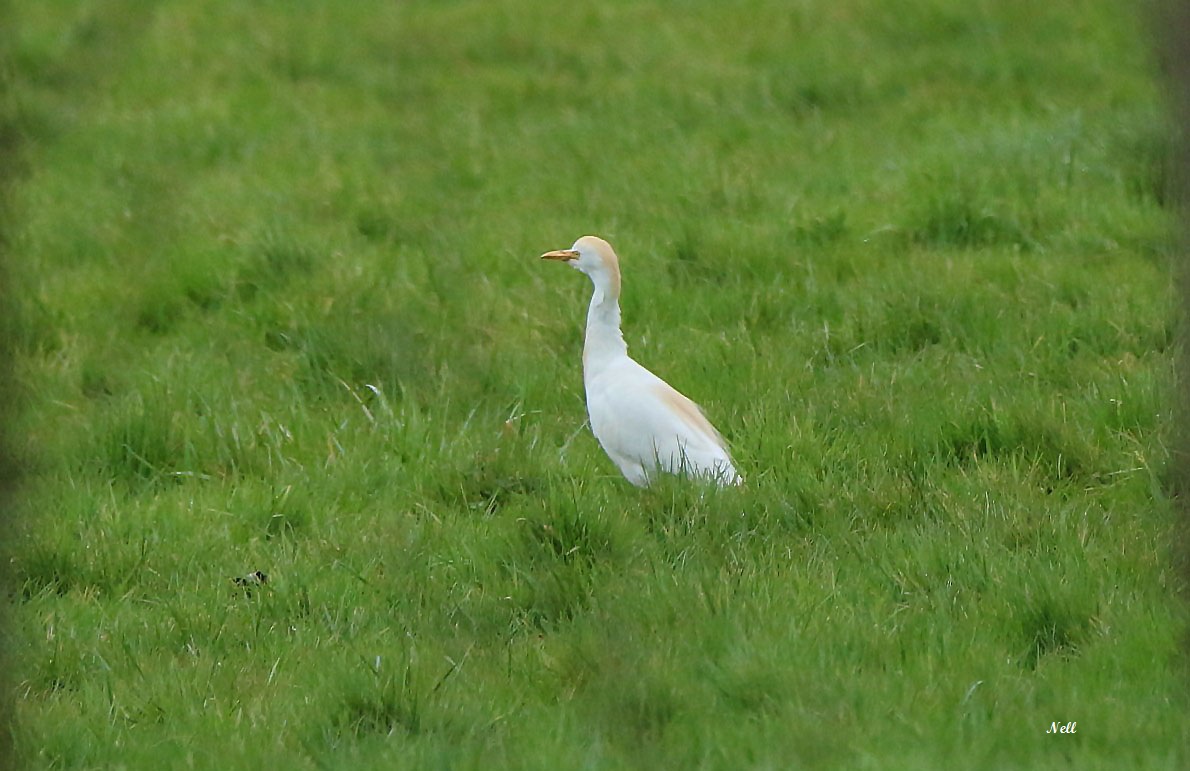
637	415
689	413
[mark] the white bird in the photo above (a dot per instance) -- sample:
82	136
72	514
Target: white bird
642	423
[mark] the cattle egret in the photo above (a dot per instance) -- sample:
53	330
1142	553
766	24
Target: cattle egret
642	423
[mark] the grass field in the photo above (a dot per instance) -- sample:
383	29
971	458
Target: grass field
277	306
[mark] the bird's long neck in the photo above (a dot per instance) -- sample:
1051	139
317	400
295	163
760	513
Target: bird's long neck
604	341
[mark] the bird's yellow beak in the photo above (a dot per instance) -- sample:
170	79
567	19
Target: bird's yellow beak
564	255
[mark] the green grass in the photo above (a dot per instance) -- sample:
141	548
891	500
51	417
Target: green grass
277	307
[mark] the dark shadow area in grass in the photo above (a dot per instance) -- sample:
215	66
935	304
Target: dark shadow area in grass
552	570
46	570
189	284
628	698
1052	625
1174	16
695	260
398	696
487	484
141	448
110	566
956	219
387	348
272	262
287	515
808	96
12	169
1147	155
381	702
384	709
1058	452
97	42
821	230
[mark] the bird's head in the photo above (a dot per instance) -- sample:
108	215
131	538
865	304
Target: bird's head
595	257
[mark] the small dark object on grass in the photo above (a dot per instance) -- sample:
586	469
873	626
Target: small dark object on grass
255	578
